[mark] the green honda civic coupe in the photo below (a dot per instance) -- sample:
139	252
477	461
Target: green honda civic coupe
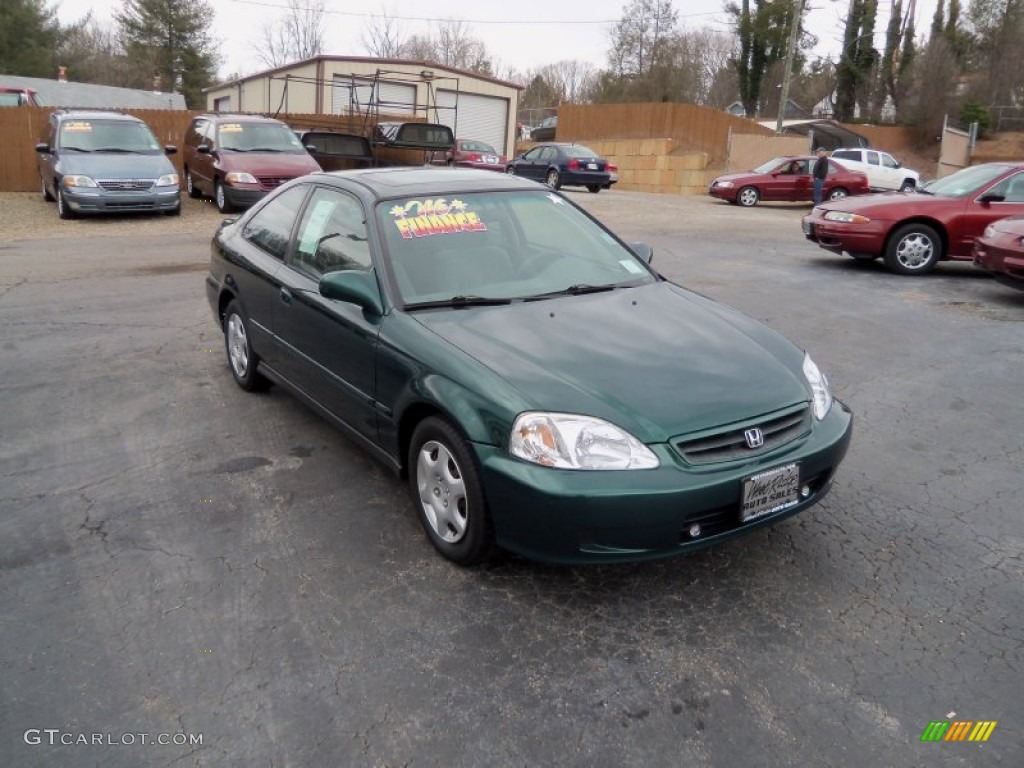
542	388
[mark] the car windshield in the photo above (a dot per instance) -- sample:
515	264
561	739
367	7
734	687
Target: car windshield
501	245
107	136
771	165
967	181
477	146
259	137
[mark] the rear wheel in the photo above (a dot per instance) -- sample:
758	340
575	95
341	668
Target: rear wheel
748	196
552	179
447	493
595	188
838	194
913	249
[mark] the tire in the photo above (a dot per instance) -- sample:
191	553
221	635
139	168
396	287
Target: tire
444	482
913	249
838	193
552	179
193	190
595	188
450	163
63	209
221	198
47	197
748	197
908	186
242	361
510	170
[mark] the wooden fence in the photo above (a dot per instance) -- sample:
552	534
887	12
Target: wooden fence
747	151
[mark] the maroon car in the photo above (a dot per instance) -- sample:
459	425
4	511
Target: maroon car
789	179
913	232
469	153
1000	251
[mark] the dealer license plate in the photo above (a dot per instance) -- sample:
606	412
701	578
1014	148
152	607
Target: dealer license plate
591	166
771	491
808	228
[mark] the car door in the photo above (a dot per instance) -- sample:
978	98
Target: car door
891	171
978	215
266	237
780	183
330	346
531	165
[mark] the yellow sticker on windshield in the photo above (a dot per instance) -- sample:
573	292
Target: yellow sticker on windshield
78	127
420	218
231	128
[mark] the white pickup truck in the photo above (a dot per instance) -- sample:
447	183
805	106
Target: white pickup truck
884	171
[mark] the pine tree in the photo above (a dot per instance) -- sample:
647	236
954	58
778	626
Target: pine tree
28	37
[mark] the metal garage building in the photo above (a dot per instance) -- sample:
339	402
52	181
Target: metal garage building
475	106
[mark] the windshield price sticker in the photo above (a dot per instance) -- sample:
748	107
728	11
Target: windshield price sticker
231	128
78	127
421	218
771	491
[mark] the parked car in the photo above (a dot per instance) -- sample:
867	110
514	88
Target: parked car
559	165
539	384
1000	251
545	131
913	233
16	96
885	173
105	162
469	153
238	159
786	179
337	151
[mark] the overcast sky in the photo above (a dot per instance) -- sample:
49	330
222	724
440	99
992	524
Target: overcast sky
521	34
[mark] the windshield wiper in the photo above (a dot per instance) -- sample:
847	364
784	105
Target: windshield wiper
458	302
118	149
76	149
264	149
575	290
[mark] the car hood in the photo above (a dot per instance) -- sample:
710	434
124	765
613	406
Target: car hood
896	205
656	360
735	177
116	165
269	163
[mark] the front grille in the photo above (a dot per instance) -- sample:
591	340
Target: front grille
127	185
273	181
731	443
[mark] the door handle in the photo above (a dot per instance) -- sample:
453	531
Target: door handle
286	296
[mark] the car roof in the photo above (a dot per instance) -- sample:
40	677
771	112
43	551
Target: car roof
94	114
237	117
425	180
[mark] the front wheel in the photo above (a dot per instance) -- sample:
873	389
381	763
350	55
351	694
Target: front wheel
595	188
63	209
838	194
241	358
552	179
913	249
190	185
46	193
748	196
447	493
908	186
221	198
511	170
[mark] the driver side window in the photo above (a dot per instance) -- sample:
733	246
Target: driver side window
332	235
1011	189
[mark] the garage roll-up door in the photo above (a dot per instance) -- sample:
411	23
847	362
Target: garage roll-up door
484	118
353	95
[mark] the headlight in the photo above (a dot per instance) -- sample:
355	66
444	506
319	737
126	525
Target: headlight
240	178
990	231
724	184
168	180
848	218
819	388
78	181
569	441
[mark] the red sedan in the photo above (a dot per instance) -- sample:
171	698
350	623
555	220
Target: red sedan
468	153
1000	251
913	232
789	179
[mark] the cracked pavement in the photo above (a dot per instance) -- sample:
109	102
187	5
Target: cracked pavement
178	556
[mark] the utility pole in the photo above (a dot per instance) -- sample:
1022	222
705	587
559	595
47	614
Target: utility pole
794	28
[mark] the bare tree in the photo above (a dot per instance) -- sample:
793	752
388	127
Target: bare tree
384	37
295	36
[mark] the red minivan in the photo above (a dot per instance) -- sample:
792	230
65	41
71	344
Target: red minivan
237	159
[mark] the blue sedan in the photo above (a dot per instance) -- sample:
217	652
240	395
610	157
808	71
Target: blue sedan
560	165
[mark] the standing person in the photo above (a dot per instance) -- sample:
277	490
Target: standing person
820	172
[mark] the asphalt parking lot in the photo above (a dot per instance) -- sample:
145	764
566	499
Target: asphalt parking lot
181	559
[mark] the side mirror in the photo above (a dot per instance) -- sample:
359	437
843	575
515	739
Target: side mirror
643	250
991	197
43	149
170	150
203	149
311	148
355	287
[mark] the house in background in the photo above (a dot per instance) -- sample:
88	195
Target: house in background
474	106
63	93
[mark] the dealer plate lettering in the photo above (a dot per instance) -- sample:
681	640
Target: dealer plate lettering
770	491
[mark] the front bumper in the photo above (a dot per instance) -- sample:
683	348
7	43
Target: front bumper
1005	265
244	196
722	193
97	200
852	238
570	516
